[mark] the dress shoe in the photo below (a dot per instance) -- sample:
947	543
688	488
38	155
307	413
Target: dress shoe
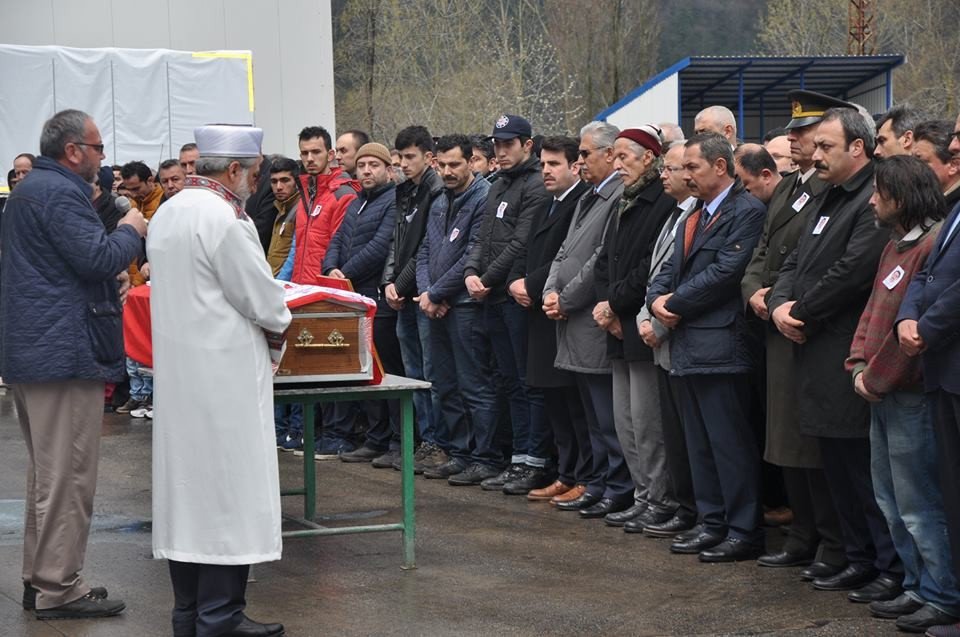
780	516
701	542
496	482
784	559
619	518
949	630
533	478
363	454
250	628
650	517
671	528
921	620
603	507
850	578
576	492
87	607
881	589
732	550
897	607
445	470
691	533
584	501
548	492
820	570
30	595
475	474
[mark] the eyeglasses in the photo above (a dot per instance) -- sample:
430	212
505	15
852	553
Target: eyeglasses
671	169
954	135
585	152
96	147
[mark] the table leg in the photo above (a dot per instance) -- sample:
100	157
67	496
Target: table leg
309	464
406	478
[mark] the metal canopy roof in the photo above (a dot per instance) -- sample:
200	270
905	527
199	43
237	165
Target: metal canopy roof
751	85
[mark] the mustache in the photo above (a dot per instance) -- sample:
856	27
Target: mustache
820	166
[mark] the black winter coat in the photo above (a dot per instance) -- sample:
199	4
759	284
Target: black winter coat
413	208
623	266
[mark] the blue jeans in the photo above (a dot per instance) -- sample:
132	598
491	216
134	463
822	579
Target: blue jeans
506	325
463	387
288	421
904	466
413	332
141	386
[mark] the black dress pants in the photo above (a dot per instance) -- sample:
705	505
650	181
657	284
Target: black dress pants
947	427
208	599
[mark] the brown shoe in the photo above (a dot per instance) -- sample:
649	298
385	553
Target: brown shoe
572	494
781	516
546	493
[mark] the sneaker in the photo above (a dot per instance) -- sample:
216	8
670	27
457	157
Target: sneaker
290	443
387	460
87	607
363	454
30	595
142	410
443	471
129	406
433	456
331	449
472	475
532	478
511	473
149	413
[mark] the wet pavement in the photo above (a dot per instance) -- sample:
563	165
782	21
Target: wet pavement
488	564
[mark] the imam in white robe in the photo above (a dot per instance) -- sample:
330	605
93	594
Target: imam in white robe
216	492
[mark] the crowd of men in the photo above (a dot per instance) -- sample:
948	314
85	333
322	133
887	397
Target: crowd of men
688	338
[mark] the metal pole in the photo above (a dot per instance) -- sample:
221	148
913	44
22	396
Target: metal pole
309	464
406	449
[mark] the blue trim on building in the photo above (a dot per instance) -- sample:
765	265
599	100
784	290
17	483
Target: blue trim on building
643	88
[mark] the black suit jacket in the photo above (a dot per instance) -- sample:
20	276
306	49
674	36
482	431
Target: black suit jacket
533	265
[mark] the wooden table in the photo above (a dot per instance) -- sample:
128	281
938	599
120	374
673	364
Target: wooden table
392	387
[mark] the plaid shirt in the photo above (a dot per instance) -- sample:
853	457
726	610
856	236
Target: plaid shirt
875	351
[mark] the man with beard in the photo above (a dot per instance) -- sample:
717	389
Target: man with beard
213	306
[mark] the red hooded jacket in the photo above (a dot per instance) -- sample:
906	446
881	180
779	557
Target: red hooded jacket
318	220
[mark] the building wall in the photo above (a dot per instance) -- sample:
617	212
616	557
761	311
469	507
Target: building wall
659	104
291	41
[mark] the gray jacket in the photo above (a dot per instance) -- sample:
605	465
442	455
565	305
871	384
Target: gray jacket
662	251
581	344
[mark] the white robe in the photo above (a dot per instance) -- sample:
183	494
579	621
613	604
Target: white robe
216	491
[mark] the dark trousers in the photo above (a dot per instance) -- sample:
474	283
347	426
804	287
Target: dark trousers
815	520
947	428
866	538
724	457
383	416
463	386
675	446
611	476
208	599
565	412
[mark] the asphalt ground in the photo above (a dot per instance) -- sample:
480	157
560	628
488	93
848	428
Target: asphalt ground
487	564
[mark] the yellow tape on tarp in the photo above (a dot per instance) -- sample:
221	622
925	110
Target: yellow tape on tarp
235	55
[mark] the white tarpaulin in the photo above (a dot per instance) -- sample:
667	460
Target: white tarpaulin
146	102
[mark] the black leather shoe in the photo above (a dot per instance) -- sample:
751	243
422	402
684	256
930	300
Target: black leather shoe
532	478
30	595
645	519
732	550
881	589
443	471
496	482
673	528
701	542
583	502
820	570
897	607
850	578
784	559
603	507
619	518
250	628
927	617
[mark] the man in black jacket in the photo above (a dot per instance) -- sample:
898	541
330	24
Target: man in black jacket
816	302
514	200
414	197
562	405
